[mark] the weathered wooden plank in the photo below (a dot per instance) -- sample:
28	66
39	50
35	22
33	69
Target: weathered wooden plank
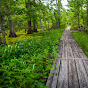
50	77
85	62
63	75
74	50
82	55
70	55
63	50
73	78
66	50
82	75
71	52
60	49
55	76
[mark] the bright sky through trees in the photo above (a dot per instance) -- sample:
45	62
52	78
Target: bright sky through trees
64	3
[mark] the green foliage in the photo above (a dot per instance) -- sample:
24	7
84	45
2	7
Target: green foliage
78	13
82	40
27	63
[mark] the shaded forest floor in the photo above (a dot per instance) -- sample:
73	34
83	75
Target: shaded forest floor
21	35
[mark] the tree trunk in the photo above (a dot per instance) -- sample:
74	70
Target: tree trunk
58	15
58	19
3	31
0	34
41	26
87	15
46	24
27	2
12	32
55	19
82	16
34	27
0	38
29	27
34	19
44	19
78	17
58	23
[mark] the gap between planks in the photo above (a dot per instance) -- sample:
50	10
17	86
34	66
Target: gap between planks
71	58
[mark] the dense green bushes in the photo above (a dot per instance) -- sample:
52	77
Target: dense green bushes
82	40
27	63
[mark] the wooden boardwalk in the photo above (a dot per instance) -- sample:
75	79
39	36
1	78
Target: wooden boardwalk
71	69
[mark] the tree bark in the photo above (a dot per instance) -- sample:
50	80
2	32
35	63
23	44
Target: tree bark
34	20
44	18
3	31
58	19
41	26
55	19
0	38
58	15
27	2
87	15
34	27
12	32
82	16
78	12
29	27
78	18
46	24
0	35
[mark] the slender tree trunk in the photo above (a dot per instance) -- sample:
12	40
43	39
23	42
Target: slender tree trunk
87	15
44	18
58	23
0	36
41	26
34	21
27	2
58	15
48	25
82	16
3	31
34	27
12	32
78	17
58	19
55	19
78	20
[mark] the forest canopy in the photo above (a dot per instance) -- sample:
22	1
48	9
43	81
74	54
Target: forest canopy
31	15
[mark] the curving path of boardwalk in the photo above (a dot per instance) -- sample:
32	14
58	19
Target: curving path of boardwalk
71	69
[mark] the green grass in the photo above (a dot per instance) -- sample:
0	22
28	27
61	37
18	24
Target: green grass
27	63
82	40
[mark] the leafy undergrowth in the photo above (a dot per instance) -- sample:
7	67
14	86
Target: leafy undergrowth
27	63
73	28
82	40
